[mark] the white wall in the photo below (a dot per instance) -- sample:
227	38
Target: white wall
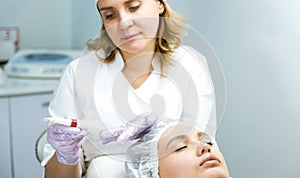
42	23
258	44
55	24
86	22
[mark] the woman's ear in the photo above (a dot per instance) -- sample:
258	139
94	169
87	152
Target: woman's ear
161	7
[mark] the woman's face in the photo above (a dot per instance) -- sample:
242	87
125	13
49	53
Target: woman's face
187	153
131	24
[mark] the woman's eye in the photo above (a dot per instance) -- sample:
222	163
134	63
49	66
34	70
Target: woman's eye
109	16
181	148
134	8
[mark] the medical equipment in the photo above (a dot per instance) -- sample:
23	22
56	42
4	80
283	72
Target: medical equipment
2	77
89	125
40	63
9	42
62	121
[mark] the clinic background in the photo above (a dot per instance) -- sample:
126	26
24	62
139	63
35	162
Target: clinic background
258	45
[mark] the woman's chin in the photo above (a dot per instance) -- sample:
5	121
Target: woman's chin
136	46
215	172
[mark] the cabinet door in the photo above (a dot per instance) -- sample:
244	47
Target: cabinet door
5	154
26	118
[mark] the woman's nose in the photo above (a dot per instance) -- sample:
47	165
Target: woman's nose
125	20
203	149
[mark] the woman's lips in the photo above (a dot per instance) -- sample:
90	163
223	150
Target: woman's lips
210	160
129	37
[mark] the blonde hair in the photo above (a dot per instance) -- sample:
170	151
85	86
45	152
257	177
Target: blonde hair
171	28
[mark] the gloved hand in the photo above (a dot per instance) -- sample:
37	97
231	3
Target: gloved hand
133	129
66	141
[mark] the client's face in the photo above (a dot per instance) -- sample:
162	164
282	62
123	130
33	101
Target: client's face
187	153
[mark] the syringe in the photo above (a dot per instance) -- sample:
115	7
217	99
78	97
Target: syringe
92	126
63	121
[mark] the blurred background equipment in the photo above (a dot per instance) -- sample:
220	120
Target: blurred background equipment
39	63
9	42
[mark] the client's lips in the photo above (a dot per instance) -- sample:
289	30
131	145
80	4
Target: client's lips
210	159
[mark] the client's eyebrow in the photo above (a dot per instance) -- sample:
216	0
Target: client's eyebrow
179	137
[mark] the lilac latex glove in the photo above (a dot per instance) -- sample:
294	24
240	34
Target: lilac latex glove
66	141
133	129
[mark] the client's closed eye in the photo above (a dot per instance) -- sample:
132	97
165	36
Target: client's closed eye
210	143
180	148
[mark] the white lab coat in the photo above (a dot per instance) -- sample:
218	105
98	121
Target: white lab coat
187	91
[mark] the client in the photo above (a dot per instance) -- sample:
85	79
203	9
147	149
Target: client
175	151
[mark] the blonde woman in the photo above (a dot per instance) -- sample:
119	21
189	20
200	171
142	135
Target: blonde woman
136	66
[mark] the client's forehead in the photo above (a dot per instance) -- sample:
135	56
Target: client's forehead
175	130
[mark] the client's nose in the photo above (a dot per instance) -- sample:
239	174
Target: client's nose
203	149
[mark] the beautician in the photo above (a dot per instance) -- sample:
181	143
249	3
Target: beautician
135	64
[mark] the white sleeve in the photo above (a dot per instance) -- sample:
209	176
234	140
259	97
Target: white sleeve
204	98
62	104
